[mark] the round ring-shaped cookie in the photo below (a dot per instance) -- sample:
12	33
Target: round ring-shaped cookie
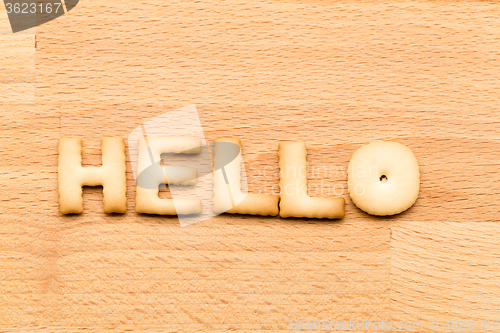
383	178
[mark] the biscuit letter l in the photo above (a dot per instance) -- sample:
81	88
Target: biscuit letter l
294	201
227	184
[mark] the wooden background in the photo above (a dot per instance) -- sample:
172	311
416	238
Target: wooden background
333	74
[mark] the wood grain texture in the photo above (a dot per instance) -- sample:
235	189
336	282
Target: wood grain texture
17	77
333	74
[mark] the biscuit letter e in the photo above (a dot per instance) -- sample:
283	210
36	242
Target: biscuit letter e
151	174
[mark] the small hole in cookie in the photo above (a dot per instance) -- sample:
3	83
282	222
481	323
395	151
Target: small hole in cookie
383	178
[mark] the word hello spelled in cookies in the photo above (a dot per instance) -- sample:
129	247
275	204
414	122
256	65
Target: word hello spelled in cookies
383	179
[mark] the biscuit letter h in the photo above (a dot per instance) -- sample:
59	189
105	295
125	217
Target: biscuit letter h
111	175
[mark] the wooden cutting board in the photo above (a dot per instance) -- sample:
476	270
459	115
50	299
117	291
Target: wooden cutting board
335	75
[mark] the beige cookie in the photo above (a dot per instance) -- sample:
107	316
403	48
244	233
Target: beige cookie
227	195
383	178
111	175
295	202
151	174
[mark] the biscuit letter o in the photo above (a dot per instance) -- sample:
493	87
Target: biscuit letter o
383	178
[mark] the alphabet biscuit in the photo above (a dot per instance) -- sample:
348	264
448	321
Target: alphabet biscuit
111	175
383	178
294	201
227	195
151	174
